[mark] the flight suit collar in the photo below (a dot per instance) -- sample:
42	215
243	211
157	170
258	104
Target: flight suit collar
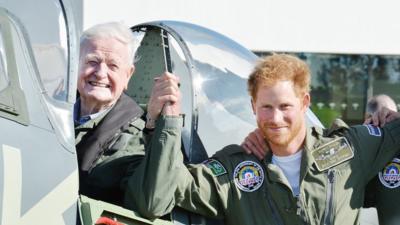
93	119
82	129
121	114
313	135
275	174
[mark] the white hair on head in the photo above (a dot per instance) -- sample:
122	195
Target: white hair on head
116	30
377	102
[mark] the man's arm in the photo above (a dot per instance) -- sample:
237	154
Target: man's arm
162	180
139	196
389	133
375	146
164	93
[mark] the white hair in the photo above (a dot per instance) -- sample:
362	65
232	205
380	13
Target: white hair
378	102
115	30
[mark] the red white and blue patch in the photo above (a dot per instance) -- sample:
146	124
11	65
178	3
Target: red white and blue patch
390	175
248	176
373	130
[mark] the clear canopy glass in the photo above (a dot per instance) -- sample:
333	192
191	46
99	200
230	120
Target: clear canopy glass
48	36
214	86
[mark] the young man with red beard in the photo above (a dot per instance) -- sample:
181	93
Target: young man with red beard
309	176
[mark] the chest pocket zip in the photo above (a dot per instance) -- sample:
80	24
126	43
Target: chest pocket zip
330	190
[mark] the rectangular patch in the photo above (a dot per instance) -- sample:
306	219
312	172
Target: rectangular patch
215	166
332	154
373	130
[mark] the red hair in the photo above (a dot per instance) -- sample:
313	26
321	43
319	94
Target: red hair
280	67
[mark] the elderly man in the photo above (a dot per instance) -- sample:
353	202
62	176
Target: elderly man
109	129
309	176
384	189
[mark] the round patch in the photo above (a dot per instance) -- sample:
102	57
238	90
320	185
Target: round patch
248	176
390	175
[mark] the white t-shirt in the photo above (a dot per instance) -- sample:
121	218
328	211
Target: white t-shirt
290	165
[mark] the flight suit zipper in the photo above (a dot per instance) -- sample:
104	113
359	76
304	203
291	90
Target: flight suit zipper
330	190
275	213
301	209
271	204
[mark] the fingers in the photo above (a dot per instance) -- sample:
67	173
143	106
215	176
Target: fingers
255	144
252	147
168	99
261	139
259	154
375	119
245	148
170	95
392	116
382	117
368	120
165	92
167	84
170	76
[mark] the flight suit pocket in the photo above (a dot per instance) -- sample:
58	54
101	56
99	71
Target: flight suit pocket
129	142
119	142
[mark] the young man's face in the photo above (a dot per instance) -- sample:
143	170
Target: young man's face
280	112
104	70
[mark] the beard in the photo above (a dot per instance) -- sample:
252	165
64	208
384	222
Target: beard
282	137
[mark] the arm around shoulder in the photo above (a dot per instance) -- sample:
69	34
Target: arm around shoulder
375	146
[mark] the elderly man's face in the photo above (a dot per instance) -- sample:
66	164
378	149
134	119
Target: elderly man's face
104	71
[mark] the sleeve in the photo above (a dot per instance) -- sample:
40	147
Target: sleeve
164	181
370	193
374	147
135	148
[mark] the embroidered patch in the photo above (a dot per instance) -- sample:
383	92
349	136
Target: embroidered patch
390	175
373	130
332	154
248	176
215	166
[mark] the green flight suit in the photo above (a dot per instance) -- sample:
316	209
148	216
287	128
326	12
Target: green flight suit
197	189
109	148
384	192
388	198
335	169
